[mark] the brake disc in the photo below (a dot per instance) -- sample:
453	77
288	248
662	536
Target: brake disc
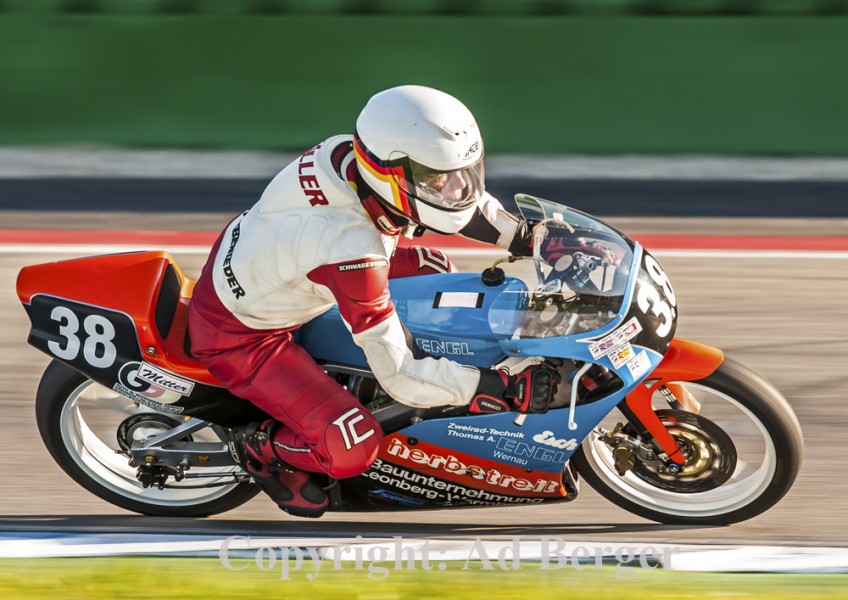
138	428
711	455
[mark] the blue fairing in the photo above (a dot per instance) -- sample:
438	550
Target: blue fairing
590	296
454	315
542	443
447	315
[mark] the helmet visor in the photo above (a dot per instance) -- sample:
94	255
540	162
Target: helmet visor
449	190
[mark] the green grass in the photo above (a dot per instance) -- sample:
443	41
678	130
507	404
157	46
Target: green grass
207	578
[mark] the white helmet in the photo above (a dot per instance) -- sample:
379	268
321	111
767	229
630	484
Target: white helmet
419	149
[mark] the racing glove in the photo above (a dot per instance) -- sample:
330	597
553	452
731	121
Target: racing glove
555	246
530	391
522	241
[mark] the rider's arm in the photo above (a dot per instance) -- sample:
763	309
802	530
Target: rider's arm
491	223
361	291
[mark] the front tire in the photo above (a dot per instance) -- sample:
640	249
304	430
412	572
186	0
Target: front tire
77	419
767	439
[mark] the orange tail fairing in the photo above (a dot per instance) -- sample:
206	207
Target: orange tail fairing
685	361
149	287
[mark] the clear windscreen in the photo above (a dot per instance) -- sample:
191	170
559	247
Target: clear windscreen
576	283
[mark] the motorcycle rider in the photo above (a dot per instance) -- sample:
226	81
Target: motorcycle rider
325	232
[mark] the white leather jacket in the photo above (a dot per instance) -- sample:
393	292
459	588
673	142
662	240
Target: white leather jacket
309	244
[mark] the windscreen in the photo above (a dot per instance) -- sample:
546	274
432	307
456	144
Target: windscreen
576	283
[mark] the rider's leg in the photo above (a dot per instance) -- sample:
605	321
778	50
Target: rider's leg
322	428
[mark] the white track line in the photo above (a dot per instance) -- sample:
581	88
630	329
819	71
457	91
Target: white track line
678	557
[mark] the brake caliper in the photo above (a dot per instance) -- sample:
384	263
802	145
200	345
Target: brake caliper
149	474
627	451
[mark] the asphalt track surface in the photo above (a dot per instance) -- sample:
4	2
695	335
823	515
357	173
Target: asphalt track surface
784	315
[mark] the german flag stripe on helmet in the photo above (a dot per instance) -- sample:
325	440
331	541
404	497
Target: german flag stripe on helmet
385	172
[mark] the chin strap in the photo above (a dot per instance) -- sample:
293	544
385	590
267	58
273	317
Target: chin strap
385	220
381	217
344	163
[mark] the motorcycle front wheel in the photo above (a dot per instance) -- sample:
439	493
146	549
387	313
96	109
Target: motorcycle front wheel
747	446
78	420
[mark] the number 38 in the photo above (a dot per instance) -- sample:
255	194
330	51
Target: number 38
95	339
650	301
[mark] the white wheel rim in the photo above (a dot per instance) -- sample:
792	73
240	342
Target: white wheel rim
747	483
102	462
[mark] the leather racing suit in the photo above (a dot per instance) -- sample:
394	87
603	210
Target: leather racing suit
313	241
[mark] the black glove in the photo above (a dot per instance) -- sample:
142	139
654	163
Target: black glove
530	391
556	244
522	242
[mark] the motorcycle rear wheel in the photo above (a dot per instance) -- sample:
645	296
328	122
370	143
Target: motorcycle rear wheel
77	419
765	435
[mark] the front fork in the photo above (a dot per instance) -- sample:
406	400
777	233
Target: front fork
685	361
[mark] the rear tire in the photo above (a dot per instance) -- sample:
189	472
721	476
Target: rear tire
767	468
95	461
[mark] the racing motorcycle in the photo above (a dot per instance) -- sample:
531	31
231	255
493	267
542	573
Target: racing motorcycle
665	427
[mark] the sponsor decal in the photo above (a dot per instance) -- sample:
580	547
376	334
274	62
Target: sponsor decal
368	264
437	347
148	387
519	453
549	439
235	287
542	452
436	489
152	374
135	396
640	365
620	356
613	341
479	472
481	434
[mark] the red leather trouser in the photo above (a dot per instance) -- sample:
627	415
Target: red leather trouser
323	428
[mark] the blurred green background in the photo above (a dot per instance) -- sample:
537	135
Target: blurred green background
553	76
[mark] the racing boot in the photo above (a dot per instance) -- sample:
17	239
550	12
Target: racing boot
294	491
